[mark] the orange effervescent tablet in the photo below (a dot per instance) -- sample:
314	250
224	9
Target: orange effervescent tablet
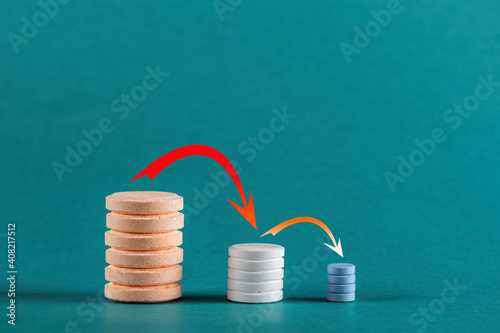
144	259
143	276
144	202
144	223
129	241
143	294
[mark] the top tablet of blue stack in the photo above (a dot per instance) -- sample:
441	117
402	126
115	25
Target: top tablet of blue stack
341	283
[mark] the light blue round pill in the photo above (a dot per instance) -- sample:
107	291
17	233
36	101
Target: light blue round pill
341	269
341	279
341	288
341	298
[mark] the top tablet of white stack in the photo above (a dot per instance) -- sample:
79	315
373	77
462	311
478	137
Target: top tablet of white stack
255	273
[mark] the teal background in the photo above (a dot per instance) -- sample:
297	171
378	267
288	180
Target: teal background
352	122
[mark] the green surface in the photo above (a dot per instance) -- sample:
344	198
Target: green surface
352	122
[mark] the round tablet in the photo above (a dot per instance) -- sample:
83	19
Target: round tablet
341	298
256	251
143	276
144	259
143	294
144	202
255	287
255	265
342	279
341	269
268	275
128	241
144	223
267	297
341	288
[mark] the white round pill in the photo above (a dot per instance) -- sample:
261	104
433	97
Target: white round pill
242	297
256	251
238	274
255	287
255	265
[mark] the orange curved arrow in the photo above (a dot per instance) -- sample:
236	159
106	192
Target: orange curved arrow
336	247
161	163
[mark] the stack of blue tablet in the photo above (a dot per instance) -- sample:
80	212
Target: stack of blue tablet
341	283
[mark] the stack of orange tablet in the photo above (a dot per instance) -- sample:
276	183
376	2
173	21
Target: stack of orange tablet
144	256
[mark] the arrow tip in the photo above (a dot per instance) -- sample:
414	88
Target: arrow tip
248	212
337	249
139	175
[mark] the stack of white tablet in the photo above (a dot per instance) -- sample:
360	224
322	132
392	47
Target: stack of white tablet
255	273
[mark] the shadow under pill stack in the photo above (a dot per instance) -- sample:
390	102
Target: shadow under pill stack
144	256
341	283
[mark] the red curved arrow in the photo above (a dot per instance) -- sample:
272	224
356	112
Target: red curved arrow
161	163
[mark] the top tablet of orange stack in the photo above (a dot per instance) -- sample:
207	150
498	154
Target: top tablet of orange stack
144	256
